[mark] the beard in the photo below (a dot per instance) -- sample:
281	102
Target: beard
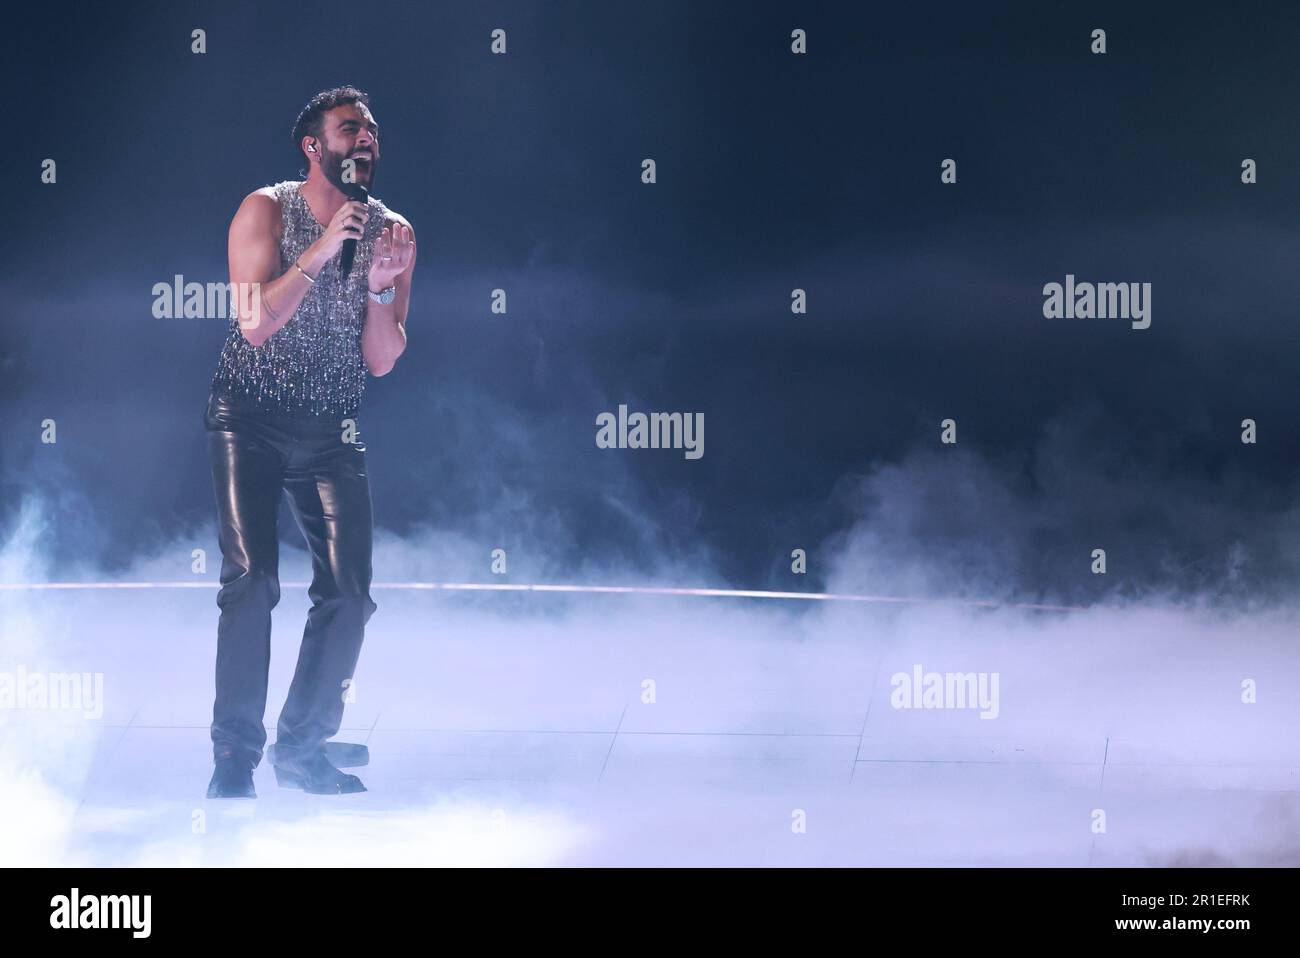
331	164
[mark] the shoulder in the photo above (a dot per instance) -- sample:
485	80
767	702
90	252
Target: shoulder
264	202
261	208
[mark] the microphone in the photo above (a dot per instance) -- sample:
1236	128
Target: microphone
358	192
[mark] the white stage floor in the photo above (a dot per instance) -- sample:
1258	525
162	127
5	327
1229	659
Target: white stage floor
511	730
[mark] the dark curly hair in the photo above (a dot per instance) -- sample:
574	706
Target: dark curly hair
311	120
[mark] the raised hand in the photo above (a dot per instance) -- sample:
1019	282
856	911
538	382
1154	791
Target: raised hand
394	250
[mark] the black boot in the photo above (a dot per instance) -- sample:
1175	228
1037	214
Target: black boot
233	778
341	754
313	773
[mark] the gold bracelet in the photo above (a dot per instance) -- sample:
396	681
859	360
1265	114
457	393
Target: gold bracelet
304	272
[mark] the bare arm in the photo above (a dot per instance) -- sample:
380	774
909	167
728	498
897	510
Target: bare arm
383	339
268	300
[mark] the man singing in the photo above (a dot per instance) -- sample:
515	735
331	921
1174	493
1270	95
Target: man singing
283	416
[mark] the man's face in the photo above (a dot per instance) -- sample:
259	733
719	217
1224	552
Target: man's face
350	132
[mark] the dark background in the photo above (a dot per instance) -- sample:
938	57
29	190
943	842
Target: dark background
775	171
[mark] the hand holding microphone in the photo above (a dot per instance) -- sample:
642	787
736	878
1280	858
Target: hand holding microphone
358	195
344	230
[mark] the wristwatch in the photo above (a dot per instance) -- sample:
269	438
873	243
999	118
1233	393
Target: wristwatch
384	296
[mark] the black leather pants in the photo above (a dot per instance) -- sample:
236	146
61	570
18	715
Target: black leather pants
255	459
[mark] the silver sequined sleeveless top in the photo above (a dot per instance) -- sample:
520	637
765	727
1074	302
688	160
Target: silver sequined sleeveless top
311	367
